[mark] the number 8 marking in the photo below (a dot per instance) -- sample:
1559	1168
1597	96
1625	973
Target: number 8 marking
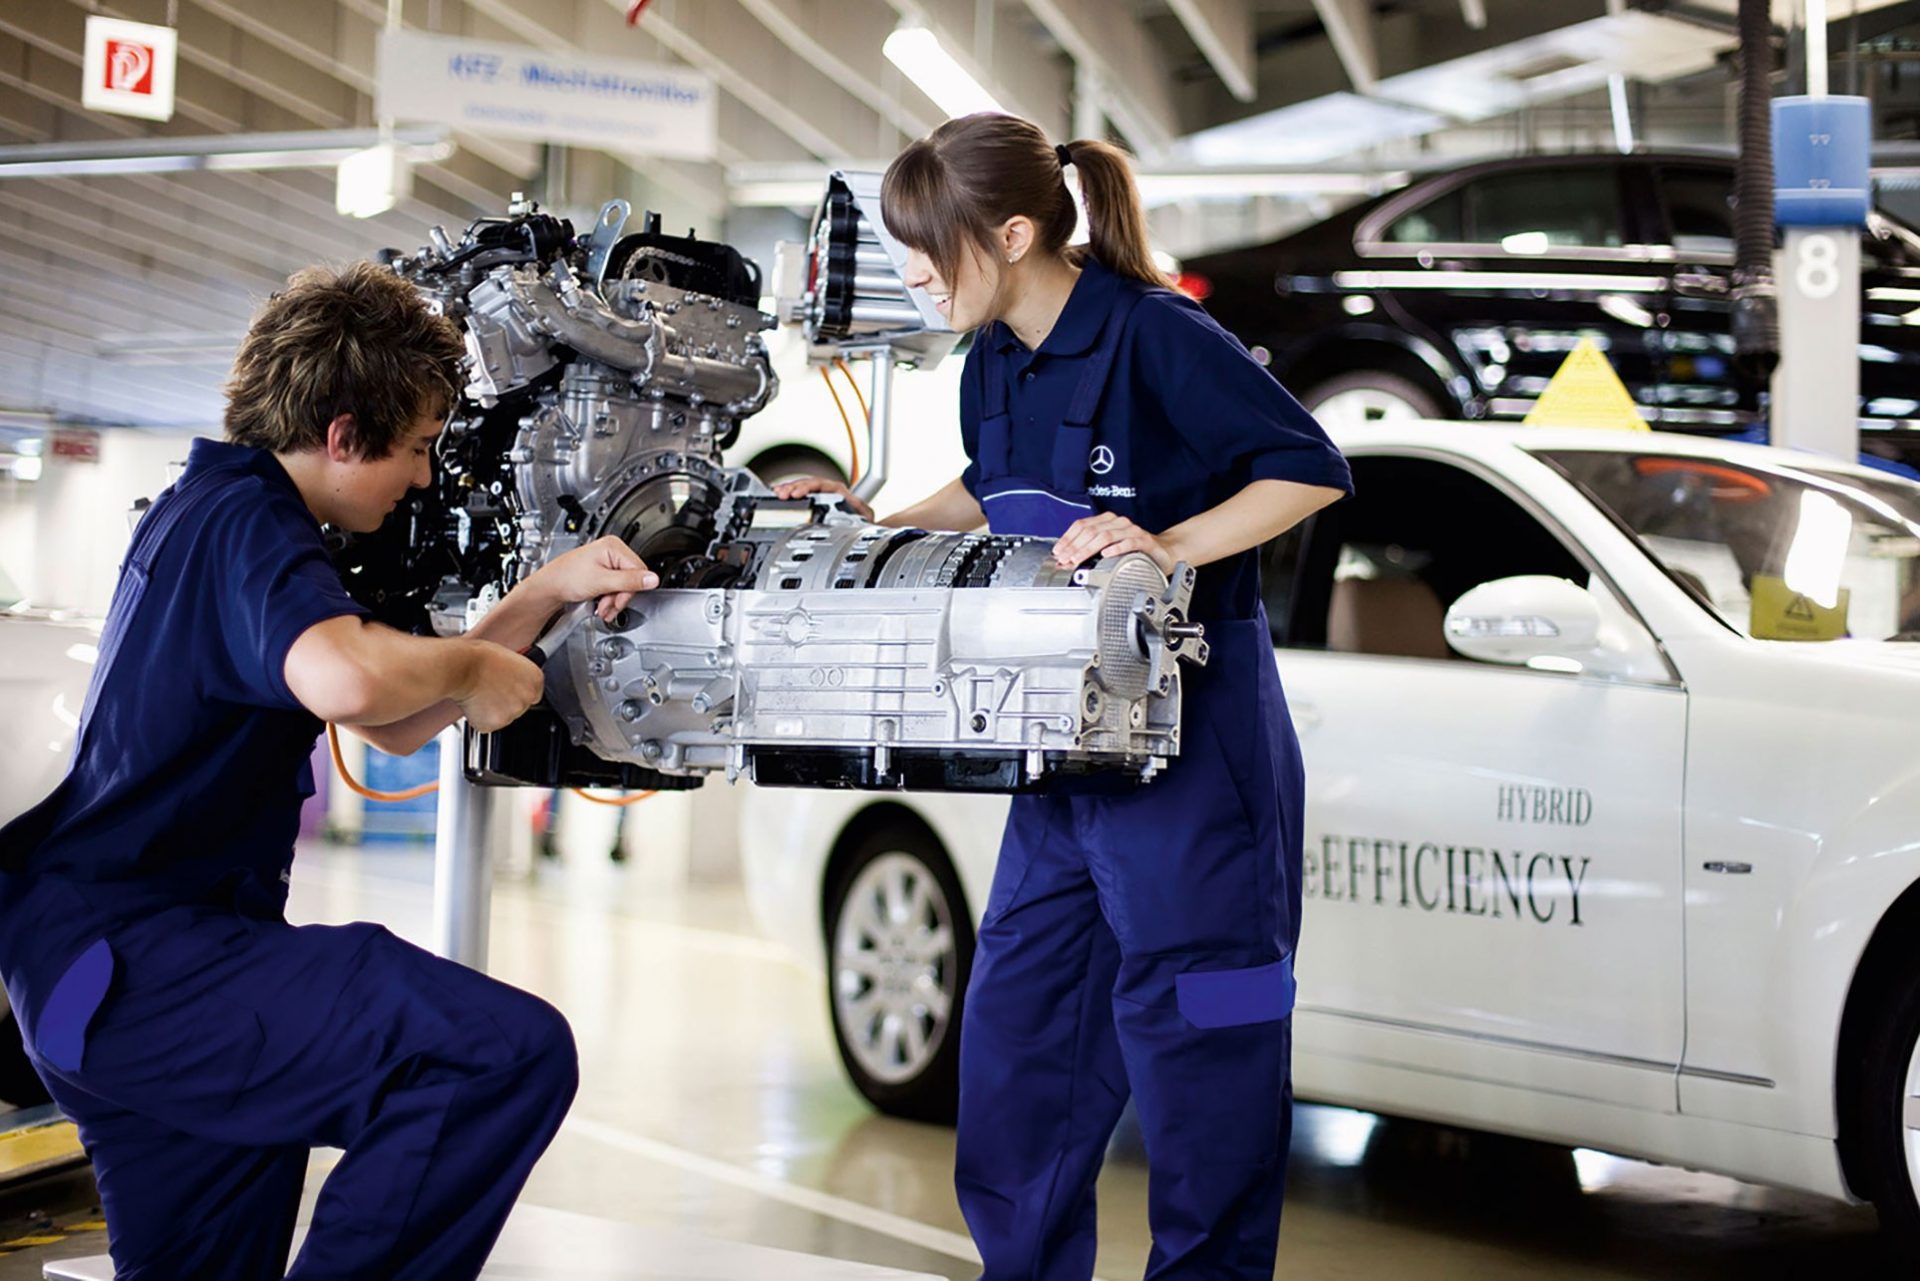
1817	275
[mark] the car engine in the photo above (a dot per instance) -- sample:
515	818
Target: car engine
790	641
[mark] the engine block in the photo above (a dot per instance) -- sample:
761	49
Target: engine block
790	641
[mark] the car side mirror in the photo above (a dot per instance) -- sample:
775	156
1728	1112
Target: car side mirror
1529	621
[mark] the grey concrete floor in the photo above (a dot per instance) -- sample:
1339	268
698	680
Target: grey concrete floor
712	1102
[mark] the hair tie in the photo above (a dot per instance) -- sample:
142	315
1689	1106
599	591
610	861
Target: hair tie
1065	154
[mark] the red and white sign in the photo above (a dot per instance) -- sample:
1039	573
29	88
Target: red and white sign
75	444
129	68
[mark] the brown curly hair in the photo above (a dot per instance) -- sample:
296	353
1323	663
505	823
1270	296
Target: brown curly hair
355	340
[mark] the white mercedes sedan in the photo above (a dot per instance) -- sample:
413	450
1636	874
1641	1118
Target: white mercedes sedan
1613	813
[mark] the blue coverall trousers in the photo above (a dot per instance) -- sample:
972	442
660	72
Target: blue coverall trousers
227	1047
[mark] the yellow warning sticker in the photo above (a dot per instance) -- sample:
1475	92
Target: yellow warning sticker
1780	613
1587	393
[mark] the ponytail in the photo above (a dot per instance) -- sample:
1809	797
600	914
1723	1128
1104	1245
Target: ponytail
1116	219
946	192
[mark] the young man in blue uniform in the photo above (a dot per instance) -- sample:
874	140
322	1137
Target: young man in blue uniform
1139	942
201	1043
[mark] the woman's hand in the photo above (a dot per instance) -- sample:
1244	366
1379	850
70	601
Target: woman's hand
606	570
1106	535
821	485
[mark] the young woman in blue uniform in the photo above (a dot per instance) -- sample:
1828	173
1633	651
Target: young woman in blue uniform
201	1043
1139	942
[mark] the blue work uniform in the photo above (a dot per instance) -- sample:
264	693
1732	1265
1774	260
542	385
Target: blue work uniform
1140	942
201	1043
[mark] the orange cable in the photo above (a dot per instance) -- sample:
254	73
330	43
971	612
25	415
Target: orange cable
354	785
584	795
854	383
852	444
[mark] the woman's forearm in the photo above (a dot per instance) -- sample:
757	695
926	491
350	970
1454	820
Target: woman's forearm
950	507
1262	511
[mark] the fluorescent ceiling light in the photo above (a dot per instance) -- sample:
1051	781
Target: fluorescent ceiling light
373	181
1557	64
1319	129
925	61
26	467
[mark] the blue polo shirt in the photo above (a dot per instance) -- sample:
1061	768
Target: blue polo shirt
191	760
1189	417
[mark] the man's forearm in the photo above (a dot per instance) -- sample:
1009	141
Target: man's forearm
357	672
515	623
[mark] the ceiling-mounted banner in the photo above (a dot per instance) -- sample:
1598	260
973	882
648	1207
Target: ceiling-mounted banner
129	68
518	92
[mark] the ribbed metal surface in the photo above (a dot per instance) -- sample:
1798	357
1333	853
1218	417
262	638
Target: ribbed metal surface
1124	666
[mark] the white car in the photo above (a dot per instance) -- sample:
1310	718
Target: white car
1613	813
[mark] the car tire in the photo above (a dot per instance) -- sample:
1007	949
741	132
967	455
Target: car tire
20	1085
899	951
1370	395
1887	1117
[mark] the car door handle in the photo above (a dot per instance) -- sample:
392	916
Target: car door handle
1705	282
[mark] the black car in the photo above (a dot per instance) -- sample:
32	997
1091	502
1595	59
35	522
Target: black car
1458	296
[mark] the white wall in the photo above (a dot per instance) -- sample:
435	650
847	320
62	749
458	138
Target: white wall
62	536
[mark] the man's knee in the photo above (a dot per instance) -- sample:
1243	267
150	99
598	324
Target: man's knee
543	1045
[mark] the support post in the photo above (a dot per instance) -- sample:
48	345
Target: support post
1822	195
879	426
462	876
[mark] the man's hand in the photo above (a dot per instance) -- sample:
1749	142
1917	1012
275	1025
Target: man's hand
820	485
1106	535
605	570
500	686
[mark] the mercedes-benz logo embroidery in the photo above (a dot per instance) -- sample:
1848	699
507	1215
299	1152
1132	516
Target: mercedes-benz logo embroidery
1101	460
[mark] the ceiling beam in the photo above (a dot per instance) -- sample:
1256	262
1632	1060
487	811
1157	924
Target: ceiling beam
206	102
1026	77
290	208
129	297
721	38
328	40
1134	76
842	40
1224	31
1349	25
77	388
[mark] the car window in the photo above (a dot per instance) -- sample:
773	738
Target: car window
1379	569
1699	203
1438	222
1778	553
1534	210
1280	563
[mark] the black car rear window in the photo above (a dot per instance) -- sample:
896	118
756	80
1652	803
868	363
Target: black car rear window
1699	209
1526	211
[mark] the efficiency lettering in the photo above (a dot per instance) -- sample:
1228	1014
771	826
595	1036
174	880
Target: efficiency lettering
1465	880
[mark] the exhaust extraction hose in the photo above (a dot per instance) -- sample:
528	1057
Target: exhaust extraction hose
1756	317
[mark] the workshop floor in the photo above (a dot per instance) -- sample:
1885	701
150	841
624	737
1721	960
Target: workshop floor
712	1102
